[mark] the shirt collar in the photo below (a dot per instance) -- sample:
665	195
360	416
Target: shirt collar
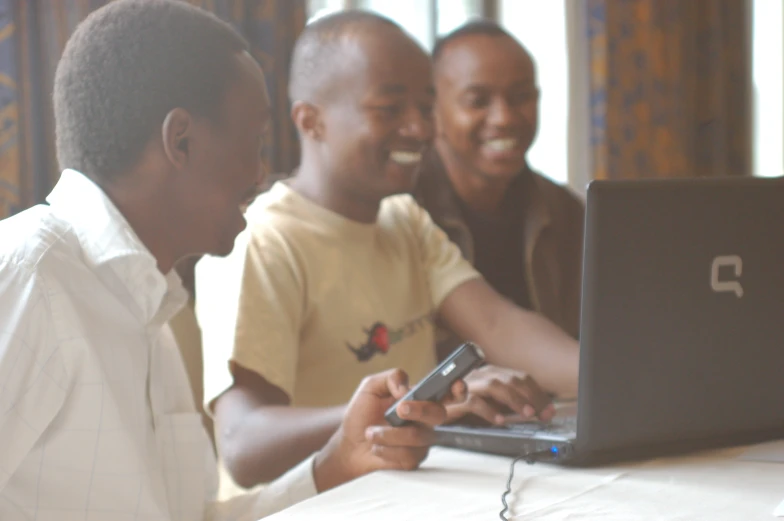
113	251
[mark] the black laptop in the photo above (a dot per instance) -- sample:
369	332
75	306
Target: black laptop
682	325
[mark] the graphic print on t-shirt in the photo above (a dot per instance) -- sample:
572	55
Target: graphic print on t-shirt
380	338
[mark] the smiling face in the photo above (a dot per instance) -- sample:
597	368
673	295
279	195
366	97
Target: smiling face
487	106
378	121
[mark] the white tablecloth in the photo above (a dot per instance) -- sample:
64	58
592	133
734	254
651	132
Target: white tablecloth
456	485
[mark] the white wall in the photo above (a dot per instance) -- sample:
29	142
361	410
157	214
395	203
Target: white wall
768	73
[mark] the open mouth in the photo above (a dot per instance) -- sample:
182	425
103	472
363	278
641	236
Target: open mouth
405	158
502	144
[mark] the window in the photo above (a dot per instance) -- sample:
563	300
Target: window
424	19
415	16
318	8
541	27
451	14
767	77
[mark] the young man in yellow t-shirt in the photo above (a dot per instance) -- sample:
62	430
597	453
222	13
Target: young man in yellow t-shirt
337	277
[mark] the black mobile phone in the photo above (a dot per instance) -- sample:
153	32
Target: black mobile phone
435	385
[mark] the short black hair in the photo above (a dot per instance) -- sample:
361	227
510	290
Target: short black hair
476	26
125	67
317	52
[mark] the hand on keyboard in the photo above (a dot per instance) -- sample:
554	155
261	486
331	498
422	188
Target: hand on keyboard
559	425
499	396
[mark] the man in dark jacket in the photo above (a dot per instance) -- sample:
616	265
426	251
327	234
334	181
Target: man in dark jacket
521	231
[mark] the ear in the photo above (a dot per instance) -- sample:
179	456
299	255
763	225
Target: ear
308	120
176	132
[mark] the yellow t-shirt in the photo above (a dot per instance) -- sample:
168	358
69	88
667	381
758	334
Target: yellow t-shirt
314	302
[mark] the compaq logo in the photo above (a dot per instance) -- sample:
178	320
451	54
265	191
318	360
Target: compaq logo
727	261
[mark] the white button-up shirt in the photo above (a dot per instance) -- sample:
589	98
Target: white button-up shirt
97	421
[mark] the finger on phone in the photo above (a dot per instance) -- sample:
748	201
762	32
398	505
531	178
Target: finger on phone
427	413
397	383
392	382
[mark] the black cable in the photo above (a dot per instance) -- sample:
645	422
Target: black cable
530	458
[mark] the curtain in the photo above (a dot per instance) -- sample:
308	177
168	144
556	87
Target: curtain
669	86
33	34
13	191
271	27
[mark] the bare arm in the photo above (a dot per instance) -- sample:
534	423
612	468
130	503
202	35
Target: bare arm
363	443
260	435
513	337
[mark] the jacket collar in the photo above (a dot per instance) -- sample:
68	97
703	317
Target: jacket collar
435	192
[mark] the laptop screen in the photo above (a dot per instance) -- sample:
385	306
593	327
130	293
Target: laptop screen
682	319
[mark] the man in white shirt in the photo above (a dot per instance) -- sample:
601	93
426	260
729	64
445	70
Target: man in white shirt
160	113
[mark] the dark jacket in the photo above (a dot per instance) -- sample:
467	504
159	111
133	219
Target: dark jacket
553	239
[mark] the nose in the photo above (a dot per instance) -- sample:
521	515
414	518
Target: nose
418	124
501	113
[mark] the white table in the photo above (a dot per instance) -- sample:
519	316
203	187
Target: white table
457	485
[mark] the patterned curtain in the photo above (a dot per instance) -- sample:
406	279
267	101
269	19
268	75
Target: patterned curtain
271	27
670	87
13	190
32	36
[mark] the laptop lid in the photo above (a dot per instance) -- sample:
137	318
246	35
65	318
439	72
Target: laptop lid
682	320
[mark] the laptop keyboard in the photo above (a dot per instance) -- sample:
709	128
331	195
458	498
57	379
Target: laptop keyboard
564	425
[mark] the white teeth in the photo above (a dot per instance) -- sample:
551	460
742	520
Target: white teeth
502	145
406	158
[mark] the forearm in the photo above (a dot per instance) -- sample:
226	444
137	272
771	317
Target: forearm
528	342
272	439
514	338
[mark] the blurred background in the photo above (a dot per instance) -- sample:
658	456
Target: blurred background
630	88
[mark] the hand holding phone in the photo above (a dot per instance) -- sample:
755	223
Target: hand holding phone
435	385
